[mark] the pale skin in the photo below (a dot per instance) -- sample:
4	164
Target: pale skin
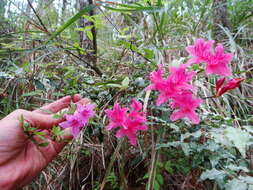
21	160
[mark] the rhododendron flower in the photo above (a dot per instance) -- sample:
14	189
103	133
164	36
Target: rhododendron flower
80	118
201	51
156	78
186	105
176	87
133	125
85	112
218	64
117	116
173	85
180	78
73	122
217	61
232	84
129	123
136	106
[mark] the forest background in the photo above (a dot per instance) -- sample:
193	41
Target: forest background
105	50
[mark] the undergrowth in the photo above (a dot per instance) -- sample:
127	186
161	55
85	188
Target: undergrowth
41	61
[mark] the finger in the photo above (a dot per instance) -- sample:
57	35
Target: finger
84	101
41	121
55	106
54	147
76	98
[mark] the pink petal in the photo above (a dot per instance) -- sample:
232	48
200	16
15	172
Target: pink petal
176	115
75	131
65	124
132	138
162	98
193	117
120	133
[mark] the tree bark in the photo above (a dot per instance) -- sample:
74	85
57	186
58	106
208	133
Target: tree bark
63	10
220	17
90	46
2	8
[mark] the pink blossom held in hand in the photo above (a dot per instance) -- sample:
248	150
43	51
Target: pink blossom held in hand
200	51
80	118
73	122
129	123
85	112
186	105
218	64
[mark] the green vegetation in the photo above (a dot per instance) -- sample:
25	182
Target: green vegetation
105	52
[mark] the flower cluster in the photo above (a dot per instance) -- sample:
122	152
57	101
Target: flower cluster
217	61
176	88
79	119
129	123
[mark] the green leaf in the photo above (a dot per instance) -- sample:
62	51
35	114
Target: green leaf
89	27
71	21
125	82
89	34
149	54
32	93
146	176
236	184
239	138
114	85
39	133
56	130
168	167
212	174
156	185
159	178
43	144
58	116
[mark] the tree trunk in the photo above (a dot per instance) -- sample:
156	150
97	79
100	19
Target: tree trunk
90	46
63	10
220	17
2	8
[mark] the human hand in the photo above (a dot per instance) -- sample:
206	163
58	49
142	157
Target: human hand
21	160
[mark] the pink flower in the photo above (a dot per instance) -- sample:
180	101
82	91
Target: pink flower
132	126
117	116
232	84
186	105
136	106
173	85
80	118
180	78
130	123
156	77
218	64
73	122
201	51
85	112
